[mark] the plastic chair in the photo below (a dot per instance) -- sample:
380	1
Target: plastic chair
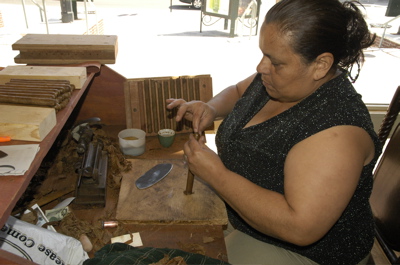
385	198
390	117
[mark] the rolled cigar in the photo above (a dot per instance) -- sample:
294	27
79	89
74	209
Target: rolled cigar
31	92
60	88
30	86
64	103
58	98
64	96
24	97
61	81
27	81
196	136
67	94
28	94
55	99
43	87
51	82
28	100
61	98
190	178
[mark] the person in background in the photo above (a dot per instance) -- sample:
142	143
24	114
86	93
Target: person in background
296	147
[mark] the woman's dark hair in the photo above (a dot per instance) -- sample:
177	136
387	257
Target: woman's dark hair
318	26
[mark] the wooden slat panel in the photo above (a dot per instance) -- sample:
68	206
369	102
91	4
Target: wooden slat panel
145	101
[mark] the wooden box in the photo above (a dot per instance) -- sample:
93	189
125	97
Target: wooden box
66	49
75	75
26	123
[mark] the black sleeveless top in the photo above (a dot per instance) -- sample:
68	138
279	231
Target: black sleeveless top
258	153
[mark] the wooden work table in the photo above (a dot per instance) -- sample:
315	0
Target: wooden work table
205	239
12	187
103	96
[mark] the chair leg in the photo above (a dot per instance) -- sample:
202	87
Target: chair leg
389	253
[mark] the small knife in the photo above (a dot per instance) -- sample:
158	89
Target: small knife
154	175
3	154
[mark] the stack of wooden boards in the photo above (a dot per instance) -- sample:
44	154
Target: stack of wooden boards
66	49
31	95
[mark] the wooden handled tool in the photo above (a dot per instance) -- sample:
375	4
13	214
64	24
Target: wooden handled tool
190	179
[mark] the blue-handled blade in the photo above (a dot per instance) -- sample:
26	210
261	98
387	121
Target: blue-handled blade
153	176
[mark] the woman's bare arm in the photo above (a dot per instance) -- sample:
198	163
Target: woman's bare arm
203	114
321	175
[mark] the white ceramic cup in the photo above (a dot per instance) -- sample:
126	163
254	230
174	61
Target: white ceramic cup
132	141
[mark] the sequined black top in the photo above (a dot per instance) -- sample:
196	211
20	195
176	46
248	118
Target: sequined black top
258	153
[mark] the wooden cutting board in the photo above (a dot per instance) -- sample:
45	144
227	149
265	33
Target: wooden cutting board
26	123
165	202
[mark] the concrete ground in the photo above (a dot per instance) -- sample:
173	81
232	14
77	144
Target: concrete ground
157	41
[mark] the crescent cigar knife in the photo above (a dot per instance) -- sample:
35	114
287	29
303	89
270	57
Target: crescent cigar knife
153	176
2	154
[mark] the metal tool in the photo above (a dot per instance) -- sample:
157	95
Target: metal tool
92	170
92	179
82	133
190	179
154	175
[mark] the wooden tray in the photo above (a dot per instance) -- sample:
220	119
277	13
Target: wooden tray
165	202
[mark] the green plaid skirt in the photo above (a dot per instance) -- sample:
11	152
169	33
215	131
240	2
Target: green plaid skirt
121	254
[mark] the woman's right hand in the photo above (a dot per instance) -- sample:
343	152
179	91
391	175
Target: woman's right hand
201	114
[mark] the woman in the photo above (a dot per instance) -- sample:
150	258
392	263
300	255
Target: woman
297	147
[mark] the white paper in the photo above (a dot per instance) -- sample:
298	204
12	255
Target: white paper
19	157
136	239
41	217
40	245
